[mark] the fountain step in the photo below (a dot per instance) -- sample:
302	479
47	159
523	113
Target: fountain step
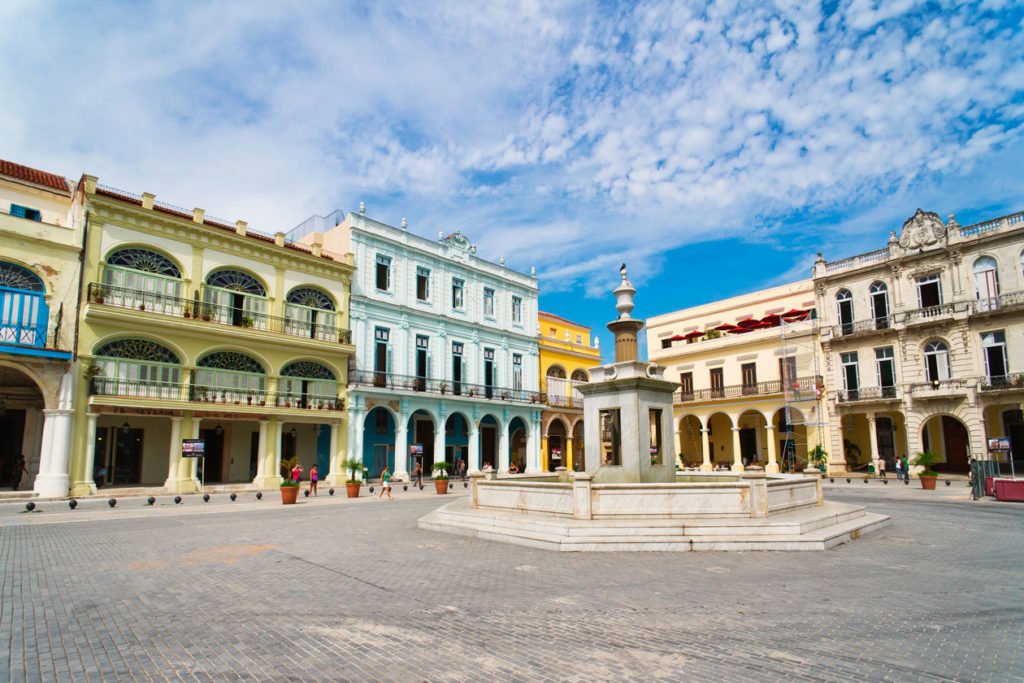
817	529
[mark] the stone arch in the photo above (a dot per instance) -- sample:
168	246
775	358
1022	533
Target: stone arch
379	426
229	359
21	276
311	296
947	433
137	348
580	375
330	365
49	397
552	419
691	440
518	433
555	370
167	343
236	279
720	426
145	259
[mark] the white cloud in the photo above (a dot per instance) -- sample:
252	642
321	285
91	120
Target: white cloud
564	134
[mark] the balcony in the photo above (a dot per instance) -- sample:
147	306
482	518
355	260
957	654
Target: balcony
198	310
866	394
1004	303
440	387
863	327
939	389
935	314
218	398
801	389
562	393
1013	382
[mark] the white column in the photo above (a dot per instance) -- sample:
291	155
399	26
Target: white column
334	456
773	461
356	444
737	458
873	436
502	447
261	453
193	463
533	446
90	451
705	442
53	480
173	455
474	444
402	447
439	443
504	457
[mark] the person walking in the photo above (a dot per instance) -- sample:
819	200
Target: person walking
881	468
417	474
906	468
462	469
314	476
385	483
297	473
899	471
19	469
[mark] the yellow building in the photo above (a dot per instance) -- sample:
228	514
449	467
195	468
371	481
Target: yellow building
566	357
750	379
193	327
40	244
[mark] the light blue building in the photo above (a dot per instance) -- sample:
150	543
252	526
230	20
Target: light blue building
447	357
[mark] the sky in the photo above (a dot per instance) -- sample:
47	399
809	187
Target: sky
713	148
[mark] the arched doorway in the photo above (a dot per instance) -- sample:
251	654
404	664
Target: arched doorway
456	434
579	453
378	441
420	432
753	450
556	444
948	437
21	423
691	443
791	439
720	440
488	435
517	443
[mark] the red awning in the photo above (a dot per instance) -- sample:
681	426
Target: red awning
793	313
747	322
725	327
771	319
675	338
741	330
694	333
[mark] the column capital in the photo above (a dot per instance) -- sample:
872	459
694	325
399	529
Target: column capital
769	428
176	419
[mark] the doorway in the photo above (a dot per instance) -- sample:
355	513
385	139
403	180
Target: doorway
211	466
12	426
886	441
955	438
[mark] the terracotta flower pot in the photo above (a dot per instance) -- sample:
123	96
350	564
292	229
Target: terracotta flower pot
289	494
928	482
352	487
441	485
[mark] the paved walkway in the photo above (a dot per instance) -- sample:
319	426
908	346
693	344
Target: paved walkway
333	589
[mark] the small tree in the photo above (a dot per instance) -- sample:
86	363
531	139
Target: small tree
441	468
818	456
353	465
926	459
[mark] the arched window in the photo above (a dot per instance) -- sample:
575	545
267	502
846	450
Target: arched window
229	376
308	384
232	297
580	376
143	279
936	361
556	371
24	315
844	305
137	368
310	313
558	387
986	278
880	305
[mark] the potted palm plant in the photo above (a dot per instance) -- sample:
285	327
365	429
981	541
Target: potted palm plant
352	484
441	476
289	491
928	476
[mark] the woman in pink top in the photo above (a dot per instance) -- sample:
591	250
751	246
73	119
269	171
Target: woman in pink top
314	476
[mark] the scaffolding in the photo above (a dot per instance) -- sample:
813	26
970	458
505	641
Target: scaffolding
802	390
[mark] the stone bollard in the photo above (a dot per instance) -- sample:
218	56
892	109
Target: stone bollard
582	507
758	493
563	475
475	478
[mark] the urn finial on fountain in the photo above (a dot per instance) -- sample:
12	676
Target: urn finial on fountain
625	327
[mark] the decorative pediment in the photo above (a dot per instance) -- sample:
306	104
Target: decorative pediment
923	229
459	247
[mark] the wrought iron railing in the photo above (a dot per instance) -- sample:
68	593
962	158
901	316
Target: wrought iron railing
1000	382
884	322
741	390
198	309
431	385
865	394
938	387
179	391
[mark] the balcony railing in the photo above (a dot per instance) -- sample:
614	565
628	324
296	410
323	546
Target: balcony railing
1010	301
802	384
938	388
197	309
430	385
861	326
921	315
168	391
563	393
1002	382
865	394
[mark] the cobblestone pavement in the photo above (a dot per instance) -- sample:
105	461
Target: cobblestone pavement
351	590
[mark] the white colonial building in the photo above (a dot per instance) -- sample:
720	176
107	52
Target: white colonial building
447	359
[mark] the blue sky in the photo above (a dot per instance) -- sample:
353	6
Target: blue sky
713	148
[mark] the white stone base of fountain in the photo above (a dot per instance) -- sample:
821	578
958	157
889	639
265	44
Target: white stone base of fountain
706	512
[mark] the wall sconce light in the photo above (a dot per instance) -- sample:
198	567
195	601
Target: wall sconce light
294	432
218	430
125	426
